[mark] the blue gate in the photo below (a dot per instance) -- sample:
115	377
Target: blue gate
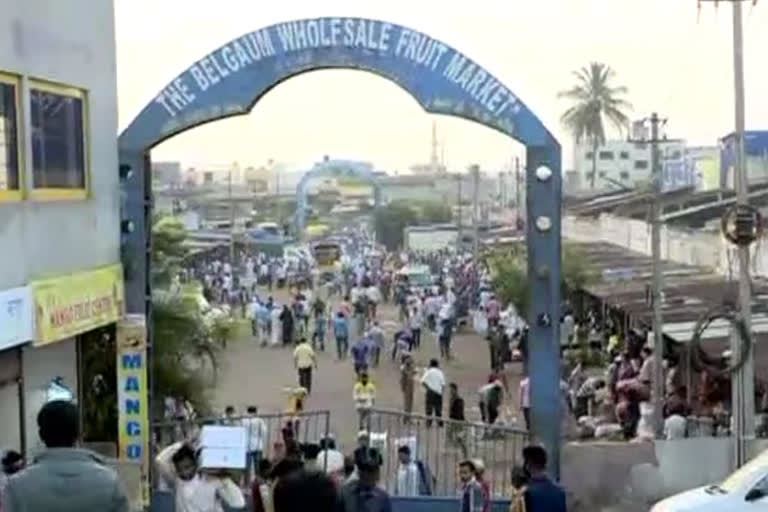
232	78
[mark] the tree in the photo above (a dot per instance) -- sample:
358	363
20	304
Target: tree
184	348
509	272
594	100
434	212
168	251
186	337
510	280
390	221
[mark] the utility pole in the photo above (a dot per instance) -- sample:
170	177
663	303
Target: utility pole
475	170
502	187
657	284
231	221
743	391
518	219
459	234
742	383
658	322
278	204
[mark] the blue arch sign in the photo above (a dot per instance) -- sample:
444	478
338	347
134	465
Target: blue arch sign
231	79
336	168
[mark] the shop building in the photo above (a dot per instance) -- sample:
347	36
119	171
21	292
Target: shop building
59	202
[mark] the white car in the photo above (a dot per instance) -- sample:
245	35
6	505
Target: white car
744	490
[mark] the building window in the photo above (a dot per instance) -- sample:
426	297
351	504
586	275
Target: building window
606	155
58	124
624	175
10	183
640	146
601	174
589	175
641	164
589	155
624	155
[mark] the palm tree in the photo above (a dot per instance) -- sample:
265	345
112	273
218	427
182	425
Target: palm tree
594	100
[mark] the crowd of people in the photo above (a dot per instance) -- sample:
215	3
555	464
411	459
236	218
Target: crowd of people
342	315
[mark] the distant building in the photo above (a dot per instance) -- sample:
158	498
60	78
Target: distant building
438	187
620	163
257	179
706	164
167	174
432	168
191	177
756	150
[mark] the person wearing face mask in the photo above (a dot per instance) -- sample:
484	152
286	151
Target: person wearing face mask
196	489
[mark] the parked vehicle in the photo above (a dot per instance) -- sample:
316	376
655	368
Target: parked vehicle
744	490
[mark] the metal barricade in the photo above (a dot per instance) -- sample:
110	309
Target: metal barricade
309	427
441	448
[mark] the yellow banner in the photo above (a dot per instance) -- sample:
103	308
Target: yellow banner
69	305
133	435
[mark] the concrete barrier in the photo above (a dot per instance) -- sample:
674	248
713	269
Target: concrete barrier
629	476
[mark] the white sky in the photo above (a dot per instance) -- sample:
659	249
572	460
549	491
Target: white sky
671	62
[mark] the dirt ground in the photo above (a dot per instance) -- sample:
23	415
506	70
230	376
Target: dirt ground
252	375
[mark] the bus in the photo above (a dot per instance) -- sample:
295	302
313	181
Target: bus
327	254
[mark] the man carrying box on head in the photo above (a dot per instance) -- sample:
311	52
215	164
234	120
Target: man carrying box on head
199	487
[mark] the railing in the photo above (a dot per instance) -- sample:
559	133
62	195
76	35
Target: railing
309	427
441	448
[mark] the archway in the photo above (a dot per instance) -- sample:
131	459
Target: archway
232	78
336	169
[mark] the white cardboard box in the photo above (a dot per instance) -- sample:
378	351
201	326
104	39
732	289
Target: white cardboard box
223	447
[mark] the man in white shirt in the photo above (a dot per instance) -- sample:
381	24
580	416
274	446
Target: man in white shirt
407	481
433	382
524	399
255	318
416	320
256	430
330	459
374	297
195	489
675	427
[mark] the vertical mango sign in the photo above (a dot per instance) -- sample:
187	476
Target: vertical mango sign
133	395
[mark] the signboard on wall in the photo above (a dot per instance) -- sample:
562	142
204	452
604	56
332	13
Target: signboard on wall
16	317
133	395
73	304
679	171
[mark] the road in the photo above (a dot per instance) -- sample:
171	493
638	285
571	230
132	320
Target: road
252	375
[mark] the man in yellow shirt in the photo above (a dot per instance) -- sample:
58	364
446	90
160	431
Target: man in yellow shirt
304	359
364	394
